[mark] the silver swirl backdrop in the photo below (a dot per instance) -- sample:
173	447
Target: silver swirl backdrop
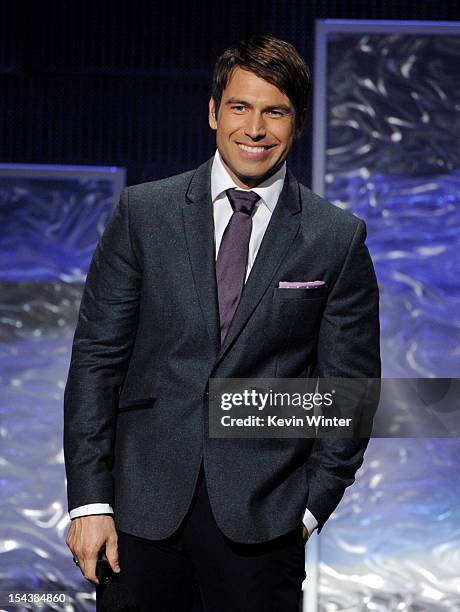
49	227
392	158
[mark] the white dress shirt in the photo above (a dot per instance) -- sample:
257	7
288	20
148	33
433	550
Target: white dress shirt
269	192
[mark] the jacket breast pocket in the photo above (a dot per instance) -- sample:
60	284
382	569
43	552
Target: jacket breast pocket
297	313
299	294
137	404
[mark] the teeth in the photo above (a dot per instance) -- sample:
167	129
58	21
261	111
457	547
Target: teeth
252	149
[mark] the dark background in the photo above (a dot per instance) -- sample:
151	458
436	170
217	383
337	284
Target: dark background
127	83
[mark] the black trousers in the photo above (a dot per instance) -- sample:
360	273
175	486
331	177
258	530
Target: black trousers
199	569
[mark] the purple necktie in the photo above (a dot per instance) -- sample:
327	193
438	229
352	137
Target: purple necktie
233	255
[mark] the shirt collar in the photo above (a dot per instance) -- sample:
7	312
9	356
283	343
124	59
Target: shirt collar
269	191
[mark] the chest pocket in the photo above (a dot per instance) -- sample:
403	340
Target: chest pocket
298	311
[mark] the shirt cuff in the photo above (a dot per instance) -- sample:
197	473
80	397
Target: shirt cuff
91	509
309	521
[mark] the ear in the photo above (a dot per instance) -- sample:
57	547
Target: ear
212	114
301	123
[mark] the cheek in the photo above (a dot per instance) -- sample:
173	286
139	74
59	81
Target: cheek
283	133
230	126
286	137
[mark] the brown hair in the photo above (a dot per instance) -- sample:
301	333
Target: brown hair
271	59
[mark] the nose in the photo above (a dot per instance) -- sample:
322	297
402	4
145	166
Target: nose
255	126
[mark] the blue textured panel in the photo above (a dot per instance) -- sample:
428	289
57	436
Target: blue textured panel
393	159
49	226
393	127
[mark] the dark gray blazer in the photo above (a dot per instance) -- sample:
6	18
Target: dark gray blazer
147	342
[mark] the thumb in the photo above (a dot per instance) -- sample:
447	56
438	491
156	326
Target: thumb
111	552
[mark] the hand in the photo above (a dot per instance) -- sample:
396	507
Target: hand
85	538
306	535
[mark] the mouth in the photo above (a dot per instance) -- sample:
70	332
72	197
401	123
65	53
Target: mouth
254	151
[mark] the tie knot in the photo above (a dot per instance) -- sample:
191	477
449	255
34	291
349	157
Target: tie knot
242	201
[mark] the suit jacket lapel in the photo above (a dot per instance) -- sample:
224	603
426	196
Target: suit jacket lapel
280	234
199	231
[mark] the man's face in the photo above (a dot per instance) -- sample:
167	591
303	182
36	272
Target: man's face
255	128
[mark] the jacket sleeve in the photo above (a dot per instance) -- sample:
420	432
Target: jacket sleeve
348	347
102	346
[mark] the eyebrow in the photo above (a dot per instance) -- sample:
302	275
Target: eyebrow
284	107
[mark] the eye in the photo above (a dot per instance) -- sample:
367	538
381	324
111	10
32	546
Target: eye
275	113
239	108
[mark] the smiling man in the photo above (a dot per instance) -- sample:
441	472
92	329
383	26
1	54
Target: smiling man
232	270
255	127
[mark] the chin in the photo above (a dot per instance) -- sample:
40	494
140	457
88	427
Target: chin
251	178
254	173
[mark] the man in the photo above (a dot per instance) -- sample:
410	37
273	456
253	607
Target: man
184	286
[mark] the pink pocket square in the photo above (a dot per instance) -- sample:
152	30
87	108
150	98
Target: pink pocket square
301	284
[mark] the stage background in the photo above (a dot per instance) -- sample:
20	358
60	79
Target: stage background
386	133
127	83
